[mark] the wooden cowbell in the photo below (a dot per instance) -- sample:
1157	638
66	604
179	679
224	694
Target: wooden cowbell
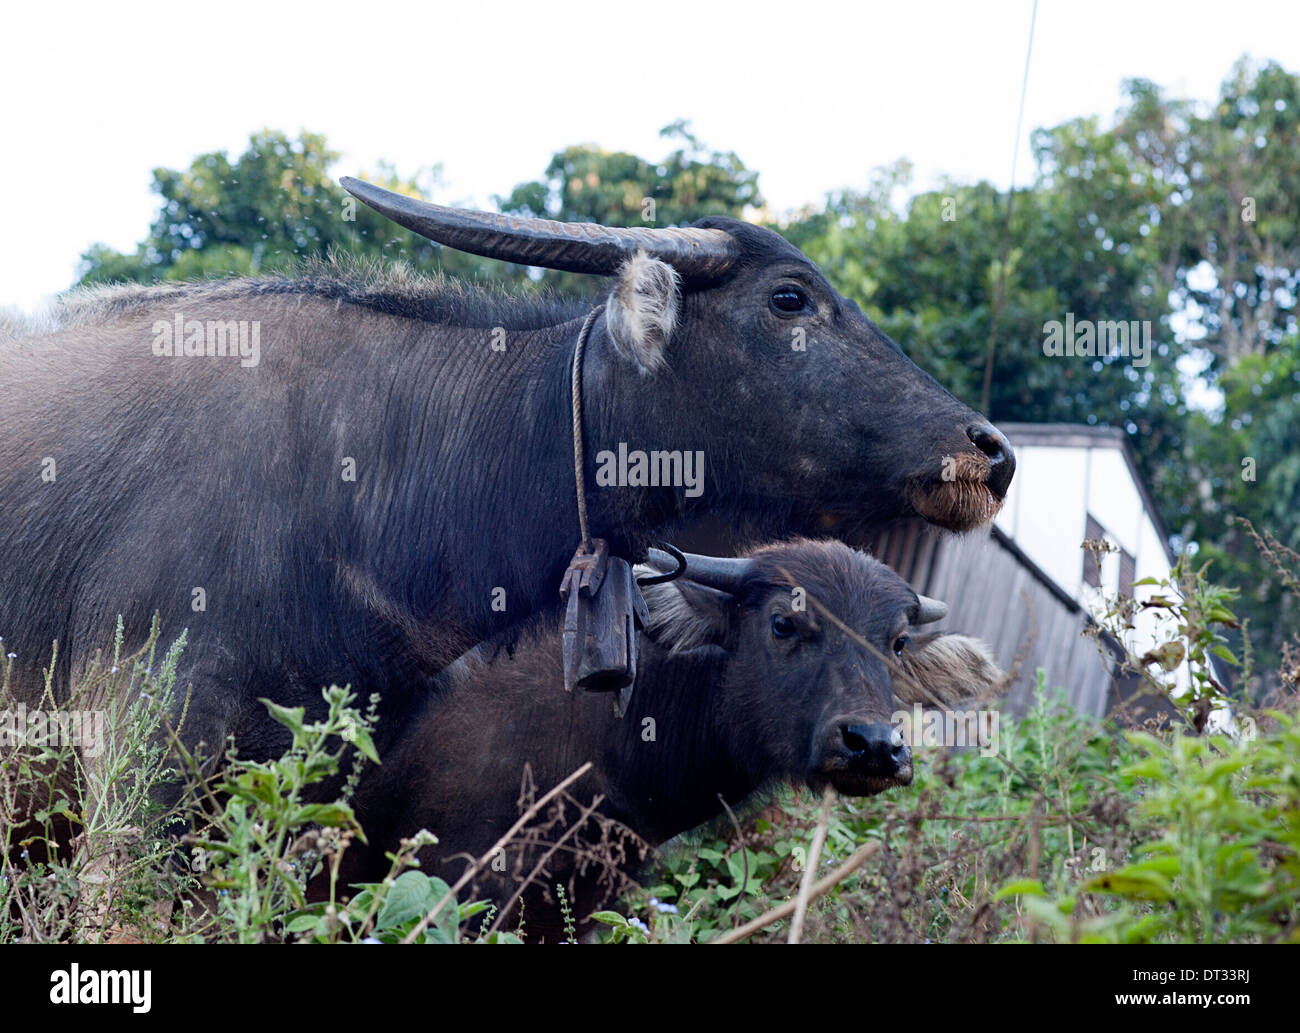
604	612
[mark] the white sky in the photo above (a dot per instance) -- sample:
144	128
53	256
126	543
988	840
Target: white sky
812	94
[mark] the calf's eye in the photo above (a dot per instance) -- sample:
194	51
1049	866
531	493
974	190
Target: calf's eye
782	627
900	644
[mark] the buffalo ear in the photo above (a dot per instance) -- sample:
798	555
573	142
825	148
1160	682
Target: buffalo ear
685	615
641	311
953	671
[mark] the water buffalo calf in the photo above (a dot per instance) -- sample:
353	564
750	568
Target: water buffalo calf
740	688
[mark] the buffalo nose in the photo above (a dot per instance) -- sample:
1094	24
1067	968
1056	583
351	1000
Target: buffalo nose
1002	460
877	749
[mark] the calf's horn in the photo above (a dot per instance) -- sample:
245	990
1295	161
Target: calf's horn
722	573
726	573
576	247
930	610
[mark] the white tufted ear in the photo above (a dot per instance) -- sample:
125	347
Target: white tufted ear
685	615
641	312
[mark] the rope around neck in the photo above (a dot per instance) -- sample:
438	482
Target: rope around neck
578	455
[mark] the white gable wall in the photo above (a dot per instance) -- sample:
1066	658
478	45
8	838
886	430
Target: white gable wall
1046	508
1055	489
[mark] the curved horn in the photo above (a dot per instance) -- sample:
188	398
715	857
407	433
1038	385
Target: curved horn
661	560
722	573
576	247
931	610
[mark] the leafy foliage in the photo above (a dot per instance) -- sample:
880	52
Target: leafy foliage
79	823
1220	859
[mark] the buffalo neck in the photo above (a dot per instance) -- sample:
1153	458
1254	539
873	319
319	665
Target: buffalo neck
472	516
671	783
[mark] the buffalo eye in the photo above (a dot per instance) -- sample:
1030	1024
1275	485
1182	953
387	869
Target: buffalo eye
900	644
789	300
782	627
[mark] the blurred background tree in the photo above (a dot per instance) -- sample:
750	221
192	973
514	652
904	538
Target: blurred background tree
586	184
261	213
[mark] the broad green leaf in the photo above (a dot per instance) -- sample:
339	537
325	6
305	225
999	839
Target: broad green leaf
1021	887
409	897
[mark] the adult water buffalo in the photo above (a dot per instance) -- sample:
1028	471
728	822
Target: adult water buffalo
354	476
744	682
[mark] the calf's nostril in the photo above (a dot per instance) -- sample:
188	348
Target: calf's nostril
876	748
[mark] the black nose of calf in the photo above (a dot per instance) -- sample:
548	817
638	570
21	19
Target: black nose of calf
1002	460
877	749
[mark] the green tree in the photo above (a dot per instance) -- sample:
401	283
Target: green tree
264	211
1242	463
1244	163
1230	227
584	183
